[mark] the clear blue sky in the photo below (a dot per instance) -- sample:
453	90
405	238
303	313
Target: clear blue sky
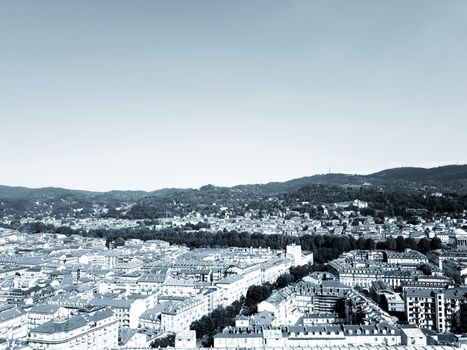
148	94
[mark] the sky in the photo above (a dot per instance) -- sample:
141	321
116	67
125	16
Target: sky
113	94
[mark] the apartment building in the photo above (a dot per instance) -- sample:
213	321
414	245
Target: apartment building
178	316
436	309
308	336
13	322
94	331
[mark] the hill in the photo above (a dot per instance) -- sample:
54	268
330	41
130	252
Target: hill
441	174
440	178
32	193
390	190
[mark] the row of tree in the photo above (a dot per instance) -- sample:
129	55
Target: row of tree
324	247
221	317
217	320
164	342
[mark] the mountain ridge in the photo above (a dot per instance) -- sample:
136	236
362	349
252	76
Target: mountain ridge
418	175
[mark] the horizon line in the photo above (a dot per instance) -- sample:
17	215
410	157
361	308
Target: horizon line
225	186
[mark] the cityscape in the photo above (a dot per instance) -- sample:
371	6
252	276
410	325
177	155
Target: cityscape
233	175
88	270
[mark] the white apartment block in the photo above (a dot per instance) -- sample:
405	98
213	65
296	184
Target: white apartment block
42	313
13	323
94	331
308	336
127	311
178	316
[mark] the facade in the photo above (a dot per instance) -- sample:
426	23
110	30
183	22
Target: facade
178	316
362	268
13	323
308	336
407	258
414	336
185	340
436	309
127	311
304	299
458	239
457	270
42	313
294	253
95	331
438	257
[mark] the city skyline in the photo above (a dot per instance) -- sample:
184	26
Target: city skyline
149	95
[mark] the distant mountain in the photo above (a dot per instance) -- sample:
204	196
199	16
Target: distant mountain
450	177
18	192
31	193
295	184
168	191
441	174
395	177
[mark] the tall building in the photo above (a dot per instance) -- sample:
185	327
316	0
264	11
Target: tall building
436	309
294	252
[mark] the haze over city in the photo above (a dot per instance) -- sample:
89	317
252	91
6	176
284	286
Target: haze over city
145	95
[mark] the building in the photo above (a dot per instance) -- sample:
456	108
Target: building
439	256
131	338
126	310
94	331
362	268
178	316
185	340
294	253
308	336
458	239
412	335
304	299
13	323
408	258
386	297
440	310
42	313
457	270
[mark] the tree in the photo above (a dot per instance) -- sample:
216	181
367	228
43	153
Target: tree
368	212
284	280
257	294
120	242
391	243
423	245
426	269
298	272
64	230
411	243
360	244
341	243
319	241
370	244
164	342
400	243
435	243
